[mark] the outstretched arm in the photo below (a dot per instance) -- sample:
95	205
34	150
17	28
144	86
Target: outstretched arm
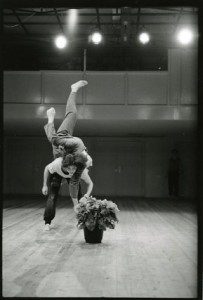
86	178
74	183
45	181
49	127
50	131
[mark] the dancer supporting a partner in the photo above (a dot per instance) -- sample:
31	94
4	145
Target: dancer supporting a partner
53	175
64	143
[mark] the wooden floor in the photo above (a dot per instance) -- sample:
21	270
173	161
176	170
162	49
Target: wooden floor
151	253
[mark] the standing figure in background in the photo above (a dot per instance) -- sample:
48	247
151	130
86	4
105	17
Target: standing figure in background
173	173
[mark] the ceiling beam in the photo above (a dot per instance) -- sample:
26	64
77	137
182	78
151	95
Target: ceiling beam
138	20
106	14
178	19
58	19
93	3
19	21
98	18
101	23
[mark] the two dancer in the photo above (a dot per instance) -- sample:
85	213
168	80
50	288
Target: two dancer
71	158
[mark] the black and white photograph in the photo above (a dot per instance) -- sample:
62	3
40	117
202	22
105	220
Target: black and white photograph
100	150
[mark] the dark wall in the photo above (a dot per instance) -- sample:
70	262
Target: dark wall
141	108
121	166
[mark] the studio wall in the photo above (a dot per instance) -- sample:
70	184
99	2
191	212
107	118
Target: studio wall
131	160
121	166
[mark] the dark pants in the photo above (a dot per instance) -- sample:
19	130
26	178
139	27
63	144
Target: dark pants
173	184
50	209
67	124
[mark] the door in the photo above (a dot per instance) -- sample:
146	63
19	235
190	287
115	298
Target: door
118	167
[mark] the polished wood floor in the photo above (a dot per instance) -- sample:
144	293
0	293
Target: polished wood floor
151	253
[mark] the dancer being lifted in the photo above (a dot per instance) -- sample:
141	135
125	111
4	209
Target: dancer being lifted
71	158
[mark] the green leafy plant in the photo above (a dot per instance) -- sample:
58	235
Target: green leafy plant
92	212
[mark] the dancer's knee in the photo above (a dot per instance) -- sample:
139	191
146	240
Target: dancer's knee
73	113
55	184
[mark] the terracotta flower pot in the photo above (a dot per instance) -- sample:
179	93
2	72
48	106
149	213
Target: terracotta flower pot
94	236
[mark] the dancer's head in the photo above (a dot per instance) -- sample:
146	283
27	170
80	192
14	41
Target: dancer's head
81	158
68	164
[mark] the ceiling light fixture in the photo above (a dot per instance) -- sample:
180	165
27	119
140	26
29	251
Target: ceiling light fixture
185	36
144	37
61	41
96	37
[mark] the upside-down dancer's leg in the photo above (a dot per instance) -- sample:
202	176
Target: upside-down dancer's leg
70	114
71	109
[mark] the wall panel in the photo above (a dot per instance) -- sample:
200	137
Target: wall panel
188	175
175	87
105	88
57	86
121	166
157	152
189	77
19	173
130	168
23	87
174	66
25	159
147	87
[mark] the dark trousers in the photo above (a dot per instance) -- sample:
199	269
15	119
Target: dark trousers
67	124
55	184
173	184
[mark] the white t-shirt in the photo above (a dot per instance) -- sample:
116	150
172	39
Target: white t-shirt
55	167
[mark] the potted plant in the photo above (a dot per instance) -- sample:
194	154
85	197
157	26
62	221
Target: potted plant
95	216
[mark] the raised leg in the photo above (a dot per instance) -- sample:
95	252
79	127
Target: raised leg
71	109
51	131
70	119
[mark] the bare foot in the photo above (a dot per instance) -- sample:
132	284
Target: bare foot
51	114
76	86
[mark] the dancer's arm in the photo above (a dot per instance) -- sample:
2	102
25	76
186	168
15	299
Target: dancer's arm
50	131
86	178
74	182
45	181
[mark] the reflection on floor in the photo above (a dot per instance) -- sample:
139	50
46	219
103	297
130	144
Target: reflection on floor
151	253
